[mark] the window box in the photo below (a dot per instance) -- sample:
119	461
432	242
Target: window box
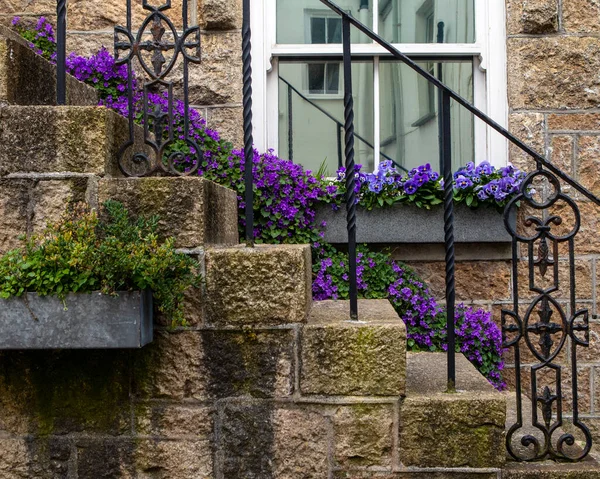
409	224
83	321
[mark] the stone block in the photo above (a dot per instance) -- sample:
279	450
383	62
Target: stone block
173	421
439	429
562	148
194	211
51	197
265	285
61	392
557	72
14	212
363	435
216	364
220	15
530	128
574	121
218	79
105	458
475	280
415	473
228	121
588	163
588	469
28	79
48	458
340	357
581	16
259	439
49	139
532	17
173	459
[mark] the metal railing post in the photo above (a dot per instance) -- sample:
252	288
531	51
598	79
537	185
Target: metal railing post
248	140
350	175
61	52
290	124
446	153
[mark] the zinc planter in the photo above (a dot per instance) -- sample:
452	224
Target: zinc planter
409	224
82	321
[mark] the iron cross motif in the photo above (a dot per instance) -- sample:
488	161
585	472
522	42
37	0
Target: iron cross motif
545	328
157	46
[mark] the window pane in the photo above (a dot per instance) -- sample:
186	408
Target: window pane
334	30
422	21
295	25
314	133
333	78
316	78
409	114
317	30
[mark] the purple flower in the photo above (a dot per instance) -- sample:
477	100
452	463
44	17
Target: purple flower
410	187
462	182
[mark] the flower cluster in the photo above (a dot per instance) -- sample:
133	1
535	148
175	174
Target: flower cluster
477	336
40	36
100	71
483	184
423	187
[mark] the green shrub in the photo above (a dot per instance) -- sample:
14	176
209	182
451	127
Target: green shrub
84	253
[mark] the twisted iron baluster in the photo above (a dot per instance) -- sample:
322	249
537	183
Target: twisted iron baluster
61	55
248	140
446	154
350	175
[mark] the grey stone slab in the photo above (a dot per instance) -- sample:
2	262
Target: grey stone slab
29	79
83	321
409	224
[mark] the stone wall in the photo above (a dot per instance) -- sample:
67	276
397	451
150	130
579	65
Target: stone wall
215	84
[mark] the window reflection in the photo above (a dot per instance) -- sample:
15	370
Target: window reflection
314	122
409	119
415	21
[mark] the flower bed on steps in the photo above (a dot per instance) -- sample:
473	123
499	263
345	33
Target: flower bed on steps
287	198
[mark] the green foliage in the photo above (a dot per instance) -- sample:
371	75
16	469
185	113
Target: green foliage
84	253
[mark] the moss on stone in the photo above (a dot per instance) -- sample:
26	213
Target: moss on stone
59	392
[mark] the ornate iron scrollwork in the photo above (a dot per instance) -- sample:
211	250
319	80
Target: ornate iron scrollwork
161	150
544	325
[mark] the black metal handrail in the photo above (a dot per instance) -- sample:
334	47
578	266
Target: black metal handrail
292	89
514	326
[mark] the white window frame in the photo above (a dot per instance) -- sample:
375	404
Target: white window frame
489	73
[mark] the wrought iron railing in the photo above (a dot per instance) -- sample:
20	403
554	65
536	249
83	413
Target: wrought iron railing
516	328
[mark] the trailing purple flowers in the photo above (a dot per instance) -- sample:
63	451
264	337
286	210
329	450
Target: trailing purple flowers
478	337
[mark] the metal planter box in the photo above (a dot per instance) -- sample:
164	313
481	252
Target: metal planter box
89	321
409	224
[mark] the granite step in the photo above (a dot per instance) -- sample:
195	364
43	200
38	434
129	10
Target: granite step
29	79
464	429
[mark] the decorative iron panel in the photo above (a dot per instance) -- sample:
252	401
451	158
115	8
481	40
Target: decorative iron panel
541	326
157	47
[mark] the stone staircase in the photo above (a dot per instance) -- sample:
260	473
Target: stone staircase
261	384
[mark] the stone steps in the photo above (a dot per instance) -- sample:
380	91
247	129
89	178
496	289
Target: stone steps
28	79
587	469
60	139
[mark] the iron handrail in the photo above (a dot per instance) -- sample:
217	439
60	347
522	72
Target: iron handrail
337	122
446	95
462	101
